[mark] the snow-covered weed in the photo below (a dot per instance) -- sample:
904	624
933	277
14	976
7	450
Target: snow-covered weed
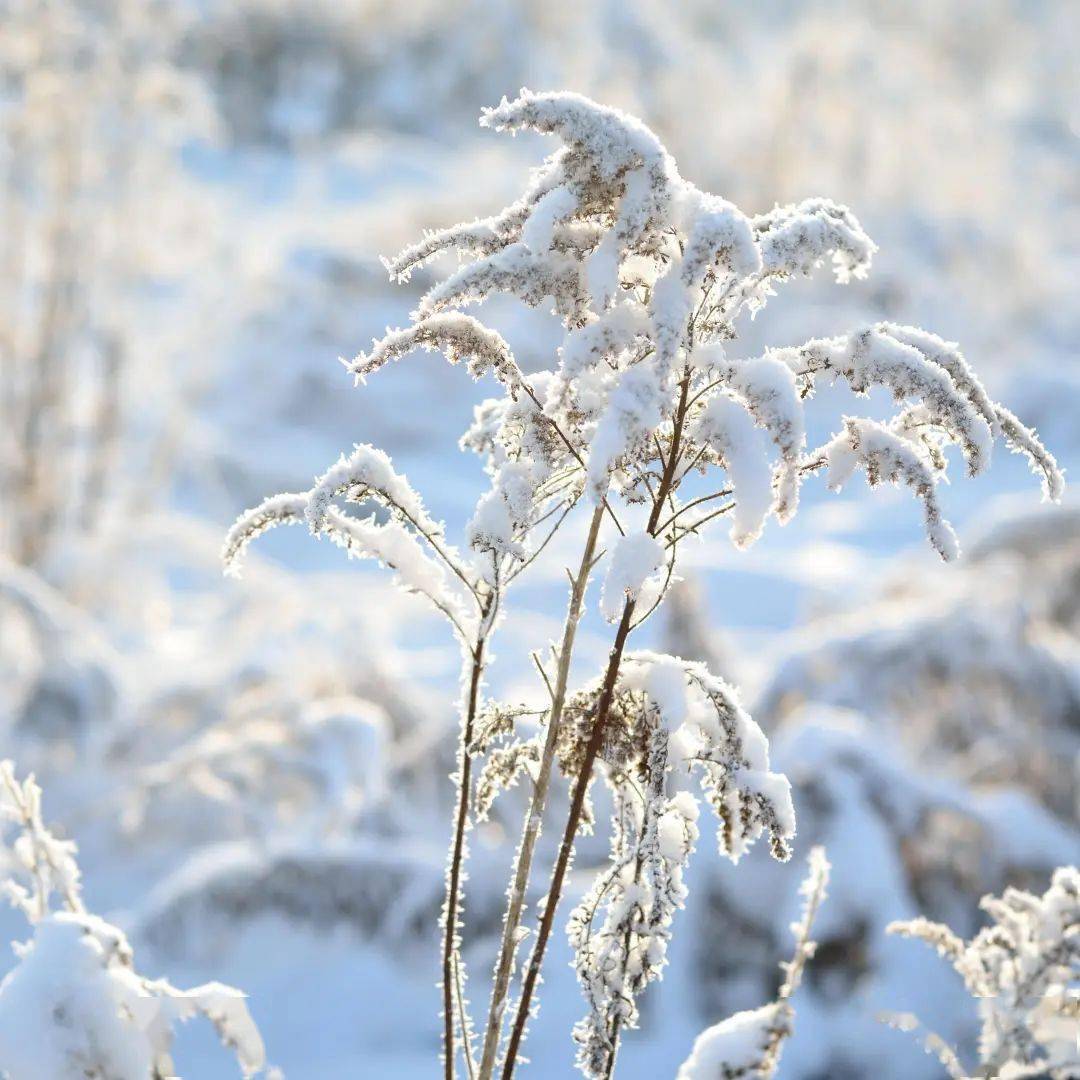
650	424
74	1007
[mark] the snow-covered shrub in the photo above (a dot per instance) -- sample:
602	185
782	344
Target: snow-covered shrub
644	402
316	771
257	727
1024	970
74	1006
749	1044
1035	555
59	674
902	842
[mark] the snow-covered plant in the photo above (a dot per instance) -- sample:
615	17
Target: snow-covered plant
467	593
315	771
665	713
644	403
74	1007
902	841
56	670
1024	969
749	1044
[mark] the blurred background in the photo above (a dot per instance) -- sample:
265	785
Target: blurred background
194	198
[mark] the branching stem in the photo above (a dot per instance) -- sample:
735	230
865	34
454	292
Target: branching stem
508	946
592	749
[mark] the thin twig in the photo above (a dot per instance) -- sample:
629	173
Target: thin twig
571	447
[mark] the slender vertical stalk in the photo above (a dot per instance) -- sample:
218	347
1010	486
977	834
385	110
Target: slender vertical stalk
504	966
566	847
452	909
592	749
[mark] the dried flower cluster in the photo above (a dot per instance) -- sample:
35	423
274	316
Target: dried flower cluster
643	404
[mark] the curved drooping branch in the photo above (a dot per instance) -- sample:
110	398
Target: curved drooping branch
460	337
481	237
367	476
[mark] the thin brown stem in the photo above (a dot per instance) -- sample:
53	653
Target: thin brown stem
566	847
508	946
687	530
689	506
572	448
592	749
523	566
450	972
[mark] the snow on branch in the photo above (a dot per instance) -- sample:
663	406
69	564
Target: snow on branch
1023	440
714	733
887	456
74	1005
649	288
767	389
538	232
749	1043
605	337
397	548
45	864
666	712
726	428
481	237
367	473
718	235
529	275
797	238
461	337
637	556
288	508
607	141
616	957
633	410
875	357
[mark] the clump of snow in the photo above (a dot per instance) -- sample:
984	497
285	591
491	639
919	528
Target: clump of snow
636	557
732	1048
886	456
75	1007
726	428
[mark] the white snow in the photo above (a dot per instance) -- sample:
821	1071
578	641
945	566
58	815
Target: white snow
634	559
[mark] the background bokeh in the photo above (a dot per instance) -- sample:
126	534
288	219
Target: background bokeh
195	196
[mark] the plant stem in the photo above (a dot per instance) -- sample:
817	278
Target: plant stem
508	947
457	858
566	848
592	749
